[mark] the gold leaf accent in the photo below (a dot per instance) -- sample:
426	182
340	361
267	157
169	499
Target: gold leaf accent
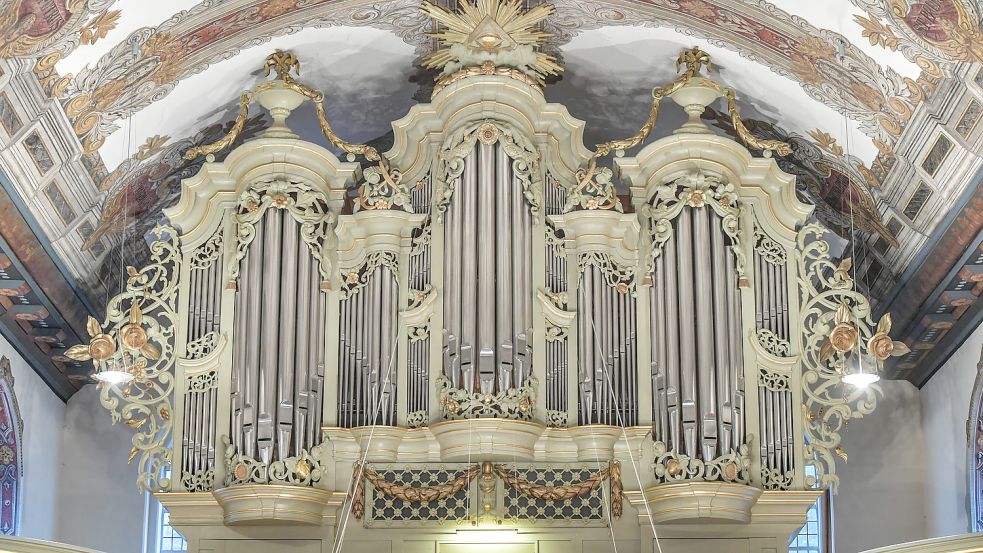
841	453
751	141
150	351
78	352
229	137
136	423
825	141
132	455
99	27
900	349
884	325
502	25
826	350
878	33
92	327
282	63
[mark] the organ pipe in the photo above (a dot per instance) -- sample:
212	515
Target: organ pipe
696	354
278	364
487	276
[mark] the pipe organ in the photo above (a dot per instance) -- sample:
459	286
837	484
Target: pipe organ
487	272
487	296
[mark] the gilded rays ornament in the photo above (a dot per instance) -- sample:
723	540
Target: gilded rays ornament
499	31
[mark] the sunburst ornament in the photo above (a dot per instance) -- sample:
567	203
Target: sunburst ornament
497	31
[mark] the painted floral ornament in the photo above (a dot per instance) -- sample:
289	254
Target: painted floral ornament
881	345
101	346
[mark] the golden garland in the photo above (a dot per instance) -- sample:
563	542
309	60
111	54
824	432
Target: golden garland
569	491
426	494
422	494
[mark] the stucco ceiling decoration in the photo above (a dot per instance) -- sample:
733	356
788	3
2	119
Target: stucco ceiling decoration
150	63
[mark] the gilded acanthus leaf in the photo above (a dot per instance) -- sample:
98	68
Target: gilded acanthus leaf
92	327
843	314
884	325
825	141
878	33
136	423
826	350
900	349
99	27
150	351
133	454
78	352
841	453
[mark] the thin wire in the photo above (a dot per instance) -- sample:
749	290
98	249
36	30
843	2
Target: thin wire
340	534
631	456
597	453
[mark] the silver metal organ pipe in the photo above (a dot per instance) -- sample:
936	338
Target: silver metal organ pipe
266	413
672	346
486	217
250	375
721	296
504	268
687	338
287	332
302	365
737	366
706	330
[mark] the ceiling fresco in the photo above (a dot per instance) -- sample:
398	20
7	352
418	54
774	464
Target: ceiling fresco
861	89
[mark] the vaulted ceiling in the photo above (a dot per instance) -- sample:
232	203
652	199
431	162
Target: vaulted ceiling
879	98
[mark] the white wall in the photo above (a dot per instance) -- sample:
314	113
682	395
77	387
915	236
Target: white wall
77	487
882	487
99	506
945	412
43	414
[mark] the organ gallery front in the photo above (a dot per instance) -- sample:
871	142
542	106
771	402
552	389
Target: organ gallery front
490	337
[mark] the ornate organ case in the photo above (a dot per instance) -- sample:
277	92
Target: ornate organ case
475	329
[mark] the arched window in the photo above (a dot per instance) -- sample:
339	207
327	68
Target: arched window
11	462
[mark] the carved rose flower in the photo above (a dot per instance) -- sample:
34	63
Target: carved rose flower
352	277
241	471
592	204
382	204
843	338
279	200
880	346
674	467
252	206
696	199
730	471
622	288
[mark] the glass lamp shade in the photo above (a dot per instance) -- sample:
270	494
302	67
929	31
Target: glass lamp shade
861	371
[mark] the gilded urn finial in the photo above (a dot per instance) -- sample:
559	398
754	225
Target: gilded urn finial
282	63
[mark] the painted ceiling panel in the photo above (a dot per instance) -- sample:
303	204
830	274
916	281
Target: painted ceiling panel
363	72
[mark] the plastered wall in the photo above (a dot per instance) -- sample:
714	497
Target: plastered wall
43	414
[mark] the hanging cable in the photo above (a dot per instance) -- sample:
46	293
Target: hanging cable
624	434
363	456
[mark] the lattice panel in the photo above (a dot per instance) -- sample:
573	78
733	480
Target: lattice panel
389	511
590	509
